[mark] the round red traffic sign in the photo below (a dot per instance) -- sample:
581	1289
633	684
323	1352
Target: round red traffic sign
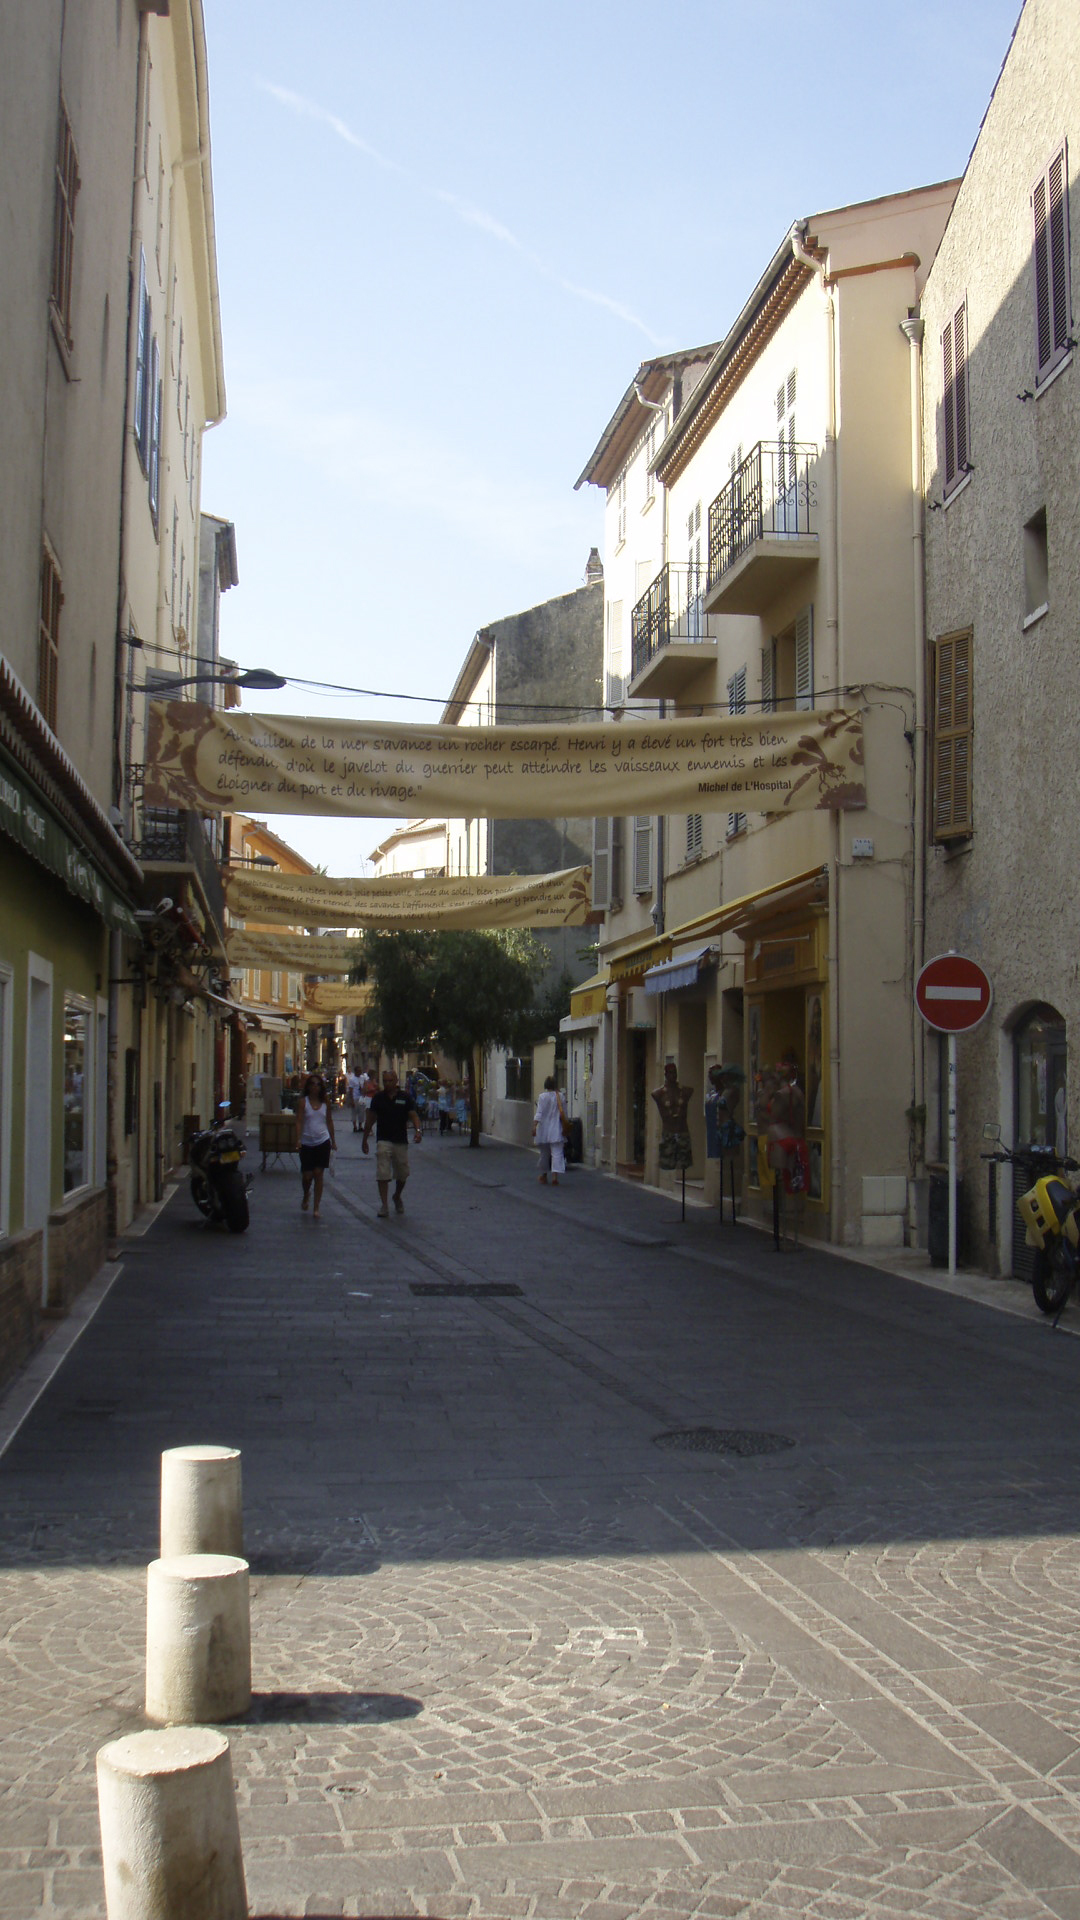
953	993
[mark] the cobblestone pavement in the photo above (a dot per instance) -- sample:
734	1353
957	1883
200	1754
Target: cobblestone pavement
513	1657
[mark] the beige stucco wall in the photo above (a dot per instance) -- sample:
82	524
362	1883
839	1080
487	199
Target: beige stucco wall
999	896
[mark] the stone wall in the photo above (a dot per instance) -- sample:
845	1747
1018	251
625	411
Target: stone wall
20	1296
77	1242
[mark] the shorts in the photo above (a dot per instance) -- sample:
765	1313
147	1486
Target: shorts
312	1157
391	1159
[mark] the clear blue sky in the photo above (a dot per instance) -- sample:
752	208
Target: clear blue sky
446	239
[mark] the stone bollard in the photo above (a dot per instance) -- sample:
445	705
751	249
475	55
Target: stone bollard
170	1840
200	1501
198	1639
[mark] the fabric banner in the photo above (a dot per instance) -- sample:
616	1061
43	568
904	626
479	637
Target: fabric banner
396	901
292	952
765	763
324	1001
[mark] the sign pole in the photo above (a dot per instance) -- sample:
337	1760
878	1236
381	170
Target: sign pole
952	1155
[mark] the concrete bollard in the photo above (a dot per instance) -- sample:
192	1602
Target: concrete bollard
170	1839
200	1501
198	1639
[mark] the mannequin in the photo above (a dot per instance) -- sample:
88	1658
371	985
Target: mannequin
722	1102
672	1101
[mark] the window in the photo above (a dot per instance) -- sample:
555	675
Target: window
787	667
736	704
154	458
52	599
76	1096
1036	568
643	854
695	576
143	386
693	835
518	1078
275	987
66	188
1050	214
787	493
180	376
955	388
607	864
953	730
620	494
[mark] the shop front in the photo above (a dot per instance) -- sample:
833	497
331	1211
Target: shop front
786	1005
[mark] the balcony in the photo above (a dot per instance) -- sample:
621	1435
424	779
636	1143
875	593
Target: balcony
671	636
762	528
174	842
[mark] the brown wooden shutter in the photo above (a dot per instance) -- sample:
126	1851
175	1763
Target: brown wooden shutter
950	417
1050	213
1043	336
1059	301
953	714
960	386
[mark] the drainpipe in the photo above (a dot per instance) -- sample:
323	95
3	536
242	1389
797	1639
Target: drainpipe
830	554
912	329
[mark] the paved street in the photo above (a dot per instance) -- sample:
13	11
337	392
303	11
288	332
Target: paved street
517	1649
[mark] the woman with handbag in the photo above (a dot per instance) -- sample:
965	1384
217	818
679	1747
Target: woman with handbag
550	1127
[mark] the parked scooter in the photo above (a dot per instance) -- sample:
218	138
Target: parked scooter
1050	1211
218	1187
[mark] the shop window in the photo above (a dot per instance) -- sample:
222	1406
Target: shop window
76	1028
1039	1060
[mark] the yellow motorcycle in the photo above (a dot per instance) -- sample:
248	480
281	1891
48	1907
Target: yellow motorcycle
1050	1211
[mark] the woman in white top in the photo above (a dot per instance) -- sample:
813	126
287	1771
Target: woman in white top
314	1136
548	1133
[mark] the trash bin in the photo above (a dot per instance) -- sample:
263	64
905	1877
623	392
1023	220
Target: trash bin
575	1145
937	1237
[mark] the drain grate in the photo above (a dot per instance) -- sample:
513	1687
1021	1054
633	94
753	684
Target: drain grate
470	1290
723	1440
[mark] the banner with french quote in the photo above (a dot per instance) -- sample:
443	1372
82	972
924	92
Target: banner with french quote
201	757
324	1001
395	902
291	952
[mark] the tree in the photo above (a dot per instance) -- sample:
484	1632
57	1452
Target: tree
468	990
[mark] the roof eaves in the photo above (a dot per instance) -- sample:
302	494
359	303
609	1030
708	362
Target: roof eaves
651	374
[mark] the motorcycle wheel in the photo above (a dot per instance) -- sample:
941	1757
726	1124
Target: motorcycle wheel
201	1194
234	1201
1054	1276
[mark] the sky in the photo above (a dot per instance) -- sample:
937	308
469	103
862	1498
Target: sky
448	236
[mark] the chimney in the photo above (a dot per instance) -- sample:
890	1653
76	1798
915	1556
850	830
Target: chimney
594	568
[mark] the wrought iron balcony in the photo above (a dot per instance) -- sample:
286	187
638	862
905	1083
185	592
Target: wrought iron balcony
671	635
762	527
174	840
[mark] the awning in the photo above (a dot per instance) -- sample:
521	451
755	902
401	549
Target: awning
782	896
631	963
680	971
589	998
28	822
266	1022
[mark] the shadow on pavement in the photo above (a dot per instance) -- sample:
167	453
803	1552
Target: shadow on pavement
330	1709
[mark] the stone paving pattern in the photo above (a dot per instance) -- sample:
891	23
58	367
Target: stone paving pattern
511	1656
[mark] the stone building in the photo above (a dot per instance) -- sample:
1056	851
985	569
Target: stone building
1001	418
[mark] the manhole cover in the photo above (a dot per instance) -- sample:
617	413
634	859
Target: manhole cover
480	1290
723	1440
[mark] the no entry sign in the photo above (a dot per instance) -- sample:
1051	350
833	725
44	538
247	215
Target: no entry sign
953	993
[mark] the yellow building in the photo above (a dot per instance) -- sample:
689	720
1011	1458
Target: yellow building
761	501
271	999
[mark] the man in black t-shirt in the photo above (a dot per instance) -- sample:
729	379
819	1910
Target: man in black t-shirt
390	1113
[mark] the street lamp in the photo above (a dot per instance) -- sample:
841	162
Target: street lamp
255	679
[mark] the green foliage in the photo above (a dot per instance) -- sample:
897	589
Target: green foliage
464	989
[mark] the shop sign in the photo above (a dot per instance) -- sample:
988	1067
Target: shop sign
26	821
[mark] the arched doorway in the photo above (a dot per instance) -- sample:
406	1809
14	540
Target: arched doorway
1040	1106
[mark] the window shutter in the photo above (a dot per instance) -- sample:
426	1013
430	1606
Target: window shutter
768	679
1059	301
601	863
960	386
736	692
142	354
804	660
1050	211
953	715
950	394
616	864
643	845
693	834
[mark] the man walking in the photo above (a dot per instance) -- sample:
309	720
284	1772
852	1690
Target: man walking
390	1113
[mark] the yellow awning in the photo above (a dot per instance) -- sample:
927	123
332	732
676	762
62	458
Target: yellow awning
782	896
631	963
590	996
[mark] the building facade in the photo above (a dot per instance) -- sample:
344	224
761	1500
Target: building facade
1001	417
787	580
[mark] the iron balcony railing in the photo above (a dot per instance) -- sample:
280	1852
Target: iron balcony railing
672	609
175	837
772	495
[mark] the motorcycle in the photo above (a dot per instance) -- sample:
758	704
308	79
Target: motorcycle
218	1188
1050	1211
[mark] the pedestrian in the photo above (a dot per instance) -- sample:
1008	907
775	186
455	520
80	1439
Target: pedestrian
314	1137
352	1097
549	1128
390	1113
